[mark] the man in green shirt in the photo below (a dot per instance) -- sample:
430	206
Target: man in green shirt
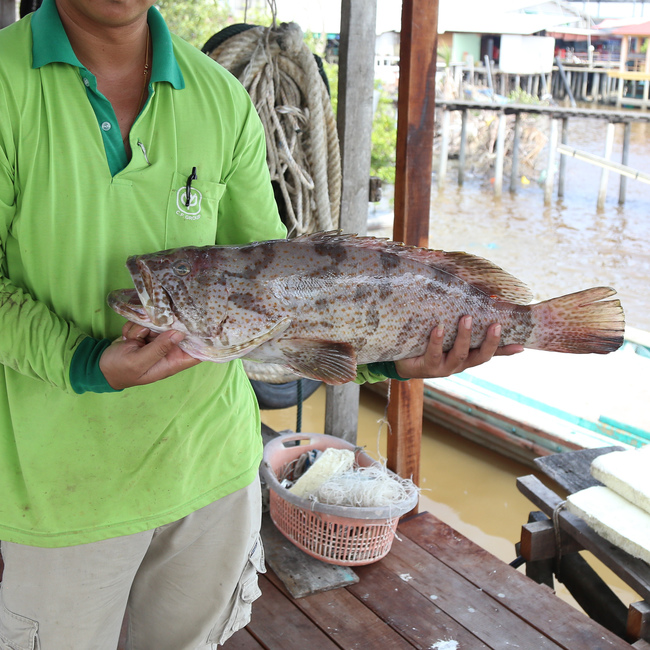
120	490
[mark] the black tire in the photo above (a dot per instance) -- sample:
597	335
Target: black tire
217	39
281	396
27	6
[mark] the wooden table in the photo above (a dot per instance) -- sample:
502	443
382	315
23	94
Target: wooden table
434	588
552	550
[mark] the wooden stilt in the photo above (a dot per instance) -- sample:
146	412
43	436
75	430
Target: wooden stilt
463	147
500	155
624	159
550	167
444	149
604	175
564	139
514	173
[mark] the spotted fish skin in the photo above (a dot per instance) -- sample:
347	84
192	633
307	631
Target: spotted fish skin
321	304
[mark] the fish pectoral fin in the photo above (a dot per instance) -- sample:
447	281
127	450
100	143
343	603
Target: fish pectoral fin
332	362
237	350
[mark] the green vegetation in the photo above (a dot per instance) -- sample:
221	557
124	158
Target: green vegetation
384	139
520	96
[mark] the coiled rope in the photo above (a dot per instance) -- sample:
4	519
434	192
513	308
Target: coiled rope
284	81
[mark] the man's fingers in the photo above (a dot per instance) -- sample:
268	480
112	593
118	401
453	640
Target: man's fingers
459	352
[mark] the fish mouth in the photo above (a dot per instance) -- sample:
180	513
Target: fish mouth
127	303
149	304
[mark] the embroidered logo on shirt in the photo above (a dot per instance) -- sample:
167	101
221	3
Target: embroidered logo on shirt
192	210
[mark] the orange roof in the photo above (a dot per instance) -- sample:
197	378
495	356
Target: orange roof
641	29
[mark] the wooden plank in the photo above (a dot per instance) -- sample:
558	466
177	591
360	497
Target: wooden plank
415	617
347	621
470	607
638	621
279	625
571	469
537	604
538	541
301	573
633	571
242	640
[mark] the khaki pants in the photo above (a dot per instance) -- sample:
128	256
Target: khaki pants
187	585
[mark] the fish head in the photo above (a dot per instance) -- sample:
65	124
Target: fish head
177	289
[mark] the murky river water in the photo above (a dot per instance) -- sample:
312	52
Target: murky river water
567	245
563	247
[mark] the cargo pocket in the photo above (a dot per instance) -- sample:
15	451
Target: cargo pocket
17	632
247	591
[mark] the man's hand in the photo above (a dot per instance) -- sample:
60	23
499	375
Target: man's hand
143	357
436	363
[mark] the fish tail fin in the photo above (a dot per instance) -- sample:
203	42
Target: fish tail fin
579	323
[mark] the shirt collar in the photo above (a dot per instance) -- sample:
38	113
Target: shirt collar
51	44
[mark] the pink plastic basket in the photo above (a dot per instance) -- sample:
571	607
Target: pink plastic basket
342	535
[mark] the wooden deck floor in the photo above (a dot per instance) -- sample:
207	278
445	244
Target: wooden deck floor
435	590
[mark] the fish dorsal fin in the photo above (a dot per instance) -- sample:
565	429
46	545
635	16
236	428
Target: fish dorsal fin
333	362
477	271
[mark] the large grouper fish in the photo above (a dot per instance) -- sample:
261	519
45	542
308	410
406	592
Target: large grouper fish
321	304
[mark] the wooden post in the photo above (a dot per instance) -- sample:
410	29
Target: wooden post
564	139
638	621
463	147
444	148
500	155
550	166
7	12
354	122
488	73
624	159
416	100
595	87
514	172
646	85
566	82
622	68
604	174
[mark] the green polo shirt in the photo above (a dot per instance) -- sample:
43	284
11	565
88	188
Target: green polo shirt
81	466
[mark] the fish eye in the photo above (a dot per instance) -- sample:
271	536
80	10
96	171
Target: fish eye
181	268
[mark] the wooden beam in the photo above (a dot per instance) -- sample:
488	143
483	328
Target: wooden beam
638	621
354	122
416	107
8	12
